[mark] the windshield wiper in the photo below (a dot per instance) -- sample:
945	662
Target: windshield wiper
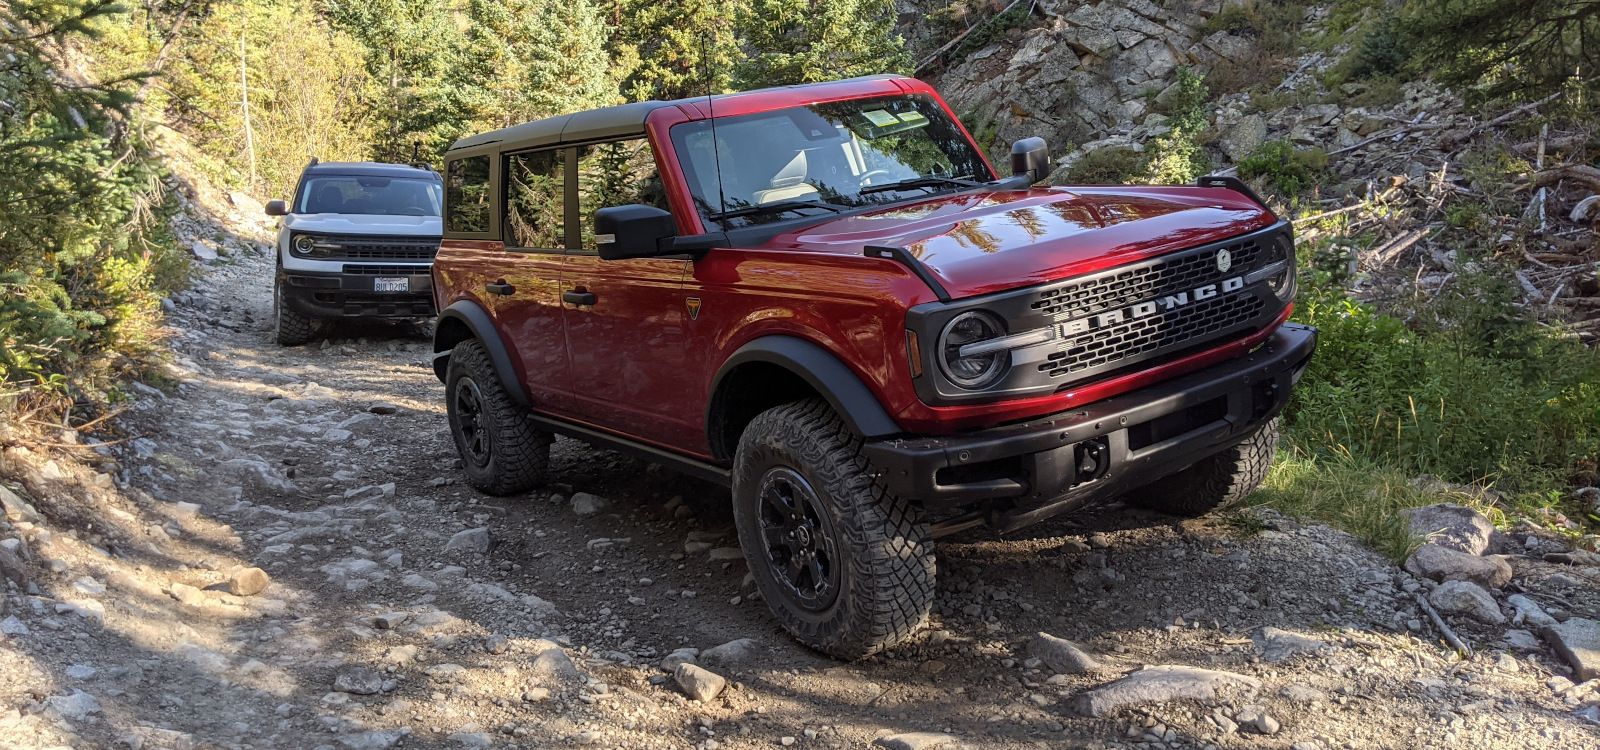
929	181
775	207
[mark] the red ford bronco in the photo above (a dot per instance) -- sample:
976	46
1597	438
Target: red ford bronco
825	298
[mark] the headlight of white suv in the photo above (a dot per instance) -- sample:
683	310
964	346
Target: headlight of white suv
973	367
305	244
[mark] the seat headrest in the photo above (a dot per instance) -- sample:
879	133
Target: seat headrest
792	174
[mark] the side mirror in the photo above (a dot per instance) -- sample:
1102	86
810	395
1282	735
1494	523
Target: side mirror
1030	158
277	208
634	231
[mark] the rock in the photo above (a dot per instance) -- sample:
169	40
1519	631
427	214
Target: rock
447	672
472	739
915	741
1521	640
1256	719
1162	684
720	554
73	707
383	408
1061	655
17	509
497	644
247	582
390	620
553	665
1442	563
1468	599
679	656
358	681
728	654
1244	137
203	250
81	672
1452	526
585	504
374	740
1277	645
12	626
474	541
1528	612
1578	642
698	683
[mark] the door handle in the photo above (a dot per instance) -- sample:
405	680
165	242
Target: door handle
579	298
500	288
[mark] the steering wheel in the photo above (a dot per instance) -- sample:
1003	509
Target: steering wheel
866	179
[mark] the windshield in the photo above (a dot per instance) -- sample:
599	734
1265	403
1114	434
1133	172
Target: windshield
833	156
350	194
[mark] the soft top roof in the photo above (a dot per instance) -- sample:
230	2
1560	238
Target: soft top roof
620	120
369	169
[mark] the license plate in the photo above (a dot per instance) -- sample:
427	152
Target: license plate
391	284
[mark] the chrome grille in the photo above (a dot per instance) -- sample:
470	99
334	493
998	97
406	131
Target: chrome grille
1177	272
1107	346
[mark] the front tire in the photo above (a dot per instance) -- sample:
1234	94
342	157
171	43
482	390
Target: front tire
847	568
290	327
1215	482
501	451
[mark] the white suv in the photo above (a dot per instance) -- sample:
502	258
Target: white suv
357	241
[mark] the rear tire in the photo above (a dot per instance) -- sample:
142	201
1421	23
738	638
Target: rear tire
1216	482
290	327
847	568
501	451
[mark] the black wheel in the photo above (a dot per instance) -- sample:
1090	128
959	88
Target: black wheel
290	327
500	449
847	568
1216	482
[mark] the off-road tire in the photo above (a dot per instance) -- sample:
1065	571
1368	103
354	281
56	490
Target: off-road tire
882	547
290	327
1216	482
517	454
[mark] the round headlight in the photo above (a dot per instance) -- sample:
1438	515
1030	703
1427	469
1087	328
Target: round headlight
305	244
978	370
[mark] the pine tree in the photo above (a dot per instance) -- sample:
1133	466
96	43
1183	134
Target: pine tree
798	41
529	59
1509	47
684	48
410	47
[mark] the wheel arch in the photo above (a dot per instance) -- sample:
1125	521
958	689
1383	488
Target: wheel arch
464	320
774	370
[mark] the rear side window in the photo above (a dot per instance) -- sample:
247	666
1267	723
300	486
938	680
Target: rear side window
535	207
467	195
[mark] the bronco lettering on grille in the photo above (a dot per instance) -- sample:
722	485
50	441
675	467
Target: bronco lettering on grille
1166	303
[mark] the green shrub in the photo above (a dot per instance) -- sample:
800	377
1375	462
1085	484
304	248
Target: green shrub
1113	165
1178	157
1384	48
1286	168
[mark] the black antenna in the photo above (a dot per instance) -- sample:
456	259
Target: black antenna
716	149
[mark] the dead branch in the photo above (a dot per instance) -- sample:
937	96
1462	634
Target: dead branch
1580	173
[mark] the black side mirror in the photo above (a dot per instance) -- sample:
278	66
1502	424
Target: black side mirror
277	208
634	231
1030	158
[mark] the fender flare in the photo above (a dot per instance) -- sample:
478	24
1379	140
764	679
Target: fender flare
476	319
850	398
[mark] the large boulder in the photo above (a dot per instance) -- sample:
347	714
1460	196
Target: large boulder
1450	525
1578	641
1442	563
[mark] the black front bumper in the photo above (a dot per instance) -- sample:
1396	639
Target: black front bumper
1017	474
351	295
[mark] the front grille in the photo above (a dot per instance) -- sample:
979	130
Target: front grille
353	270
1107	346
1179	272
356	247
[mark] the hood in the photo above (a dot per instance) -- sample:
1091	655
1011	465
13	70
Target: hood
982	242
374	224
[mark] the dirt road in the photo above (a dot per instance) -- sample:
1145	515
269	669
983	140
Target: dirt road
405	610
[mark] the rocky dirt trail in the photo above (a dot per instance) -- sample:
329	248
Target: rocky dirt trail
278	554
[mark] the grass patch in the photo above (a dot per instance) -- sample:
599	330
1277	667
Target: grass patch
1360	495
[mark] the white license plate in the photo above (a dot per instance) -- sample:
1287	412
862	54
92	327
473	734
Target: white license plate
391	284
